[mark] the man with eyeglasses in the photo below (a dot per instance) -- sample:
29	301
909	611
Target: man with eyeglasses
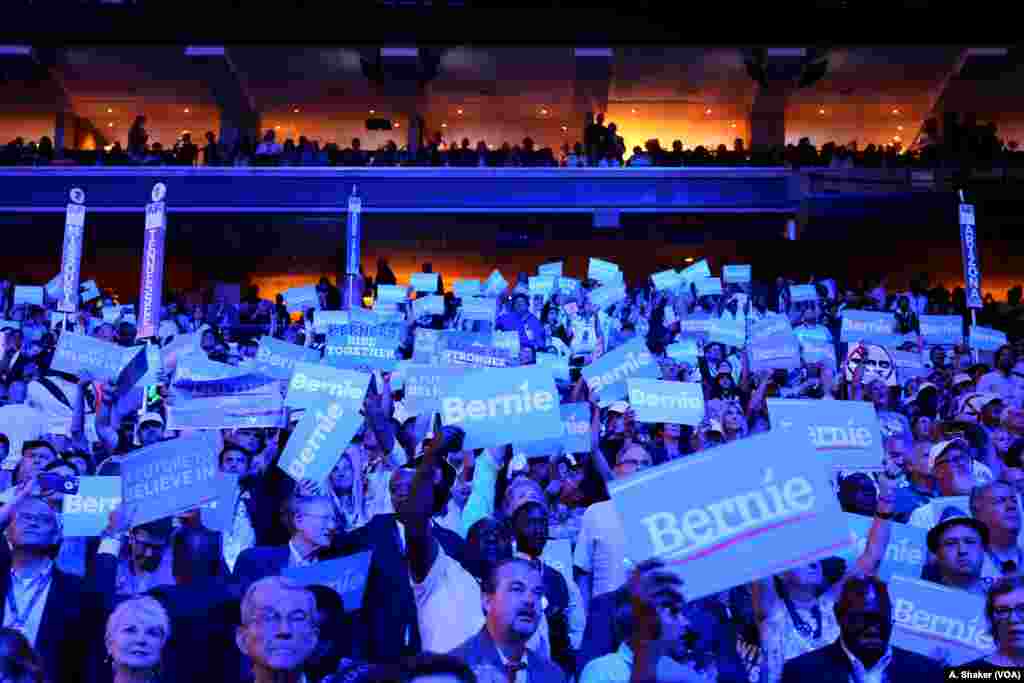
279	631
37	599
995	505
149	564
951	466
313	524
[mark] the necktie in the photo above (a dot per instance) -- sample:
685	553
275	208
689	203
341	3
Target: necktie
513	668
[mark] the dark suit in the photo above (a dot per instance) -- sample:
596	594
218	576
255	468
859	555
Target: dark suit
67	641
202	643
480	650
389	605
260	562
830	664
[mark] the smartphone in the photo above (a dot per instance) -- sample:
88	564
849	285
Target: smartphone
51	481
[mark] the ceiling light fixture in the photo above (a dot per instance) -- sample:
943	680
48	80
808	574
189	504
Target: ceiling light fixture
633	110
109	110
397	124
187	110
295	111
543	112
821	111
707	111
110	125
899	127
459	112
689	259
896	112
565	129
372	112
444	125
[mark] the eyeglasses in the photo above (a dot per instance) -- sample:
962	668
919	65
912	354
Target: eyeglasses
42	520
1004	613
269	618
955	461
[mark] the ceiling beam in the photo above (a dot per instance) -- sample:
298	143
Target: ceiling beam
223	78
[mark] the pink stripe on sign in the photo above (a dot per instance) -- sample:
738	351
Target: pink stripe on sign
803	559
935	636
742	537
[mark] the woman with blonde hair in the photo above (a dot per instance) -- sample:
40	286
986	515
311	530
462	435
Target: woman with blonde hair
137	632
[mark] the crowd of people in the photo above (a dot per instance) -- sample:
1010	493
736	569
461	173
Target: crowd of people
460	585
970	144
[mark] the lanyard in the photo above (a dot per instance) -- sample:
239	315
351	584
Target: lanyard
19	618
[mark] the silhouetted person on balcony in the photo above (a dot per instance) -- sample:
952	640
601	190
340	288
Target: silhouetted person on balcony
269	152
188	153
211	152
354	155
137	139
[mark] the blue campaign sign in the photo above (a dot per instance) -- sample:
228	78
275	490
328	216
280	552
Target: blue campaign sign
424	282
769	327
986	339
219	514
753	508
326	321
802	293
423	385
346	576
876	328
729	331
451	348
276	358
602	271
608	374
170	477
816	345
929	616
568	285
904	556
301	299
684	351
672	402
667	279
844	434
698	271
575	433
428	305
695	326
88	512
495	284
942	329
736	274
314	383
500	406
553	269
322	435
708	286
909	364
605	297
392	294
77	353
373	345
778	352
559	365
465	289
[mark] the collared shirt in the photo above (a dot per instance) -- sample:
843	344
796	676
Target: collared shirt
23	588
297	560
521	675
875	674
616	667
242	535
448	607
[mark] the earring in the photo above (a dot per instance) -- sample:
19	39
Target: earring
109	659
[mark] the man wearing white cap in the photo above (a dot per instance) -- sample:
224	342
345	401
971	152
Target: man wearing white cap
950	463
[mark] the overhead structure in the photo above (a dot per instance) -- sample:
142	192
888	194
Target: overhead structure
779	72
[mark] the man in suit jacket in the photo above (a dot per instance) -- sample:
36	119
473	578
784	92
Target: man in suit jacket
204	611
512	597
864	613
389	605
313	523
48	606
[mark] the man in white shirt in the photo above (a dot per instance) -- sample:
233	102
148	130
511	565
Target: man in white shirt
600	556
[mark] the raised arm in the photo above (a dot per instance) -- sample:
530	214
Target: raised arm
600	462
